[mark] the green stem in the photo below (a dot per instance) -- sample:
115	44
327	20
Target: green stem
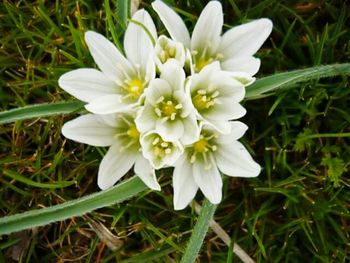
199	232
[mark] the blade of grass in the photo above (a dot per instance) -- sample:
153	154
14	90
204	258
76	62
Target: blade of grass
40	110
16	176
111	25
78	207
122	14
287	79
199	232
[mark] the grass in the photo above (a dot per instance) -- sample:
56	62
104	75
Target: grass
297	210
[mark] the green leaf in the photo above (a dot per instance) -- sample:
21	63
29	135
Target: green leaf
40	110
27	181
69	209
199	232
267	85
123	8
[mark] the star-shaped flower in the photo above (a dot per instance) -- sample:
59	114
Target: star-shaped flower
159	152
234	49
167	108
199	166
120	84
215	97
120	133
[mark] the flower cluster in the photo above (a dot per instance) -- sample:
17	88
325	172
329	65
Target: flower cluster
169	102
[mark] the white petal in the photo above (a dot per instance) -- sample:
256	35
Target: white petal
227	110
238	129
89	129
243	77
247	64
111	119
185	188
207	75
173	23
137	43
150	69
156	89
207	31
229	88
170	130
107	57
192	131
86	84
144	170
209	181
146	118
108	104
221	126
114	165
173	74
246	39
234	160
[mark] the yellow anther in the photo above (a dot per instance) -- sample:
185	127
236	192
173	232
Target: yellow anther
171	52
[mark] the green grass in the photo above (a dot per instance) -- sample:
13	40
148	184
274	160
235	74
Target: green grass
297	210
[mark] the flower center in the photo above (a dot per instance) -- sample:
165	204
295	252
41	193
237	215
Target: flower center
135	88
161	148
167	109
133	132
166	53
203	147
204	57
167	50
202	62
203	100
127	133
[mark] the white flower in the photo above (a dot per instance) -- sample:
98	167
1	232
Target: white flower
118	131
166	49
215	96
167	109
159	152
122	80
200	165
234	50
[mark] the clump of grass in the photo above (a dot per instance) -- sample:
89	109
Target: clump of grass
296	210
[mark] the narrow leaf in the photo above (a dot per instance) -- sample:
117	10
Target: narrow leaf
69	209
27	181
123	8
199	232
40	110
112	26
286	79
